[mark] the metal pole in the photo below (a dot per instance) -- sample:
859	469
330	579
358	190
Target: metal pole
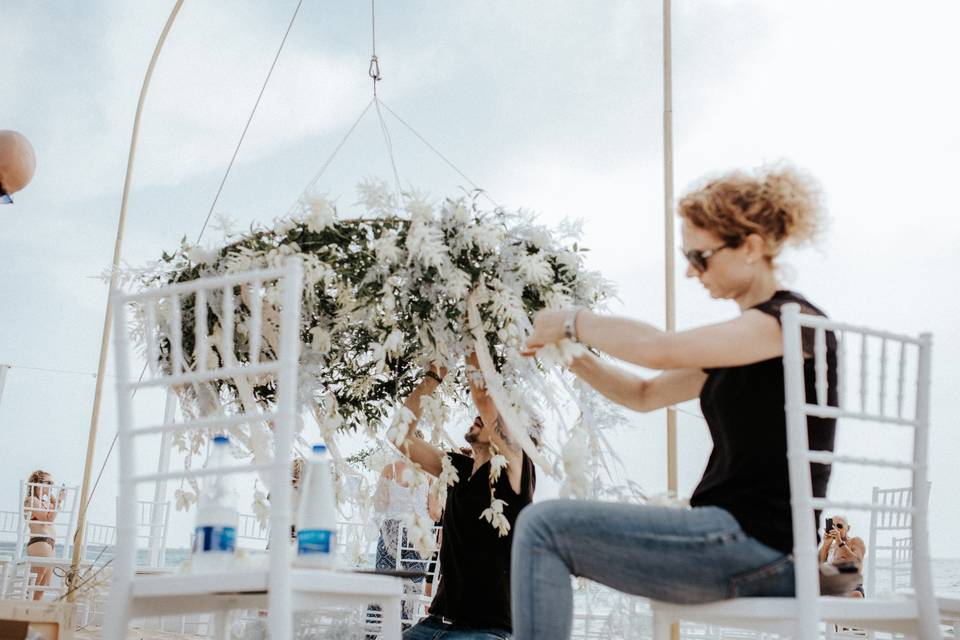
105	338
668	245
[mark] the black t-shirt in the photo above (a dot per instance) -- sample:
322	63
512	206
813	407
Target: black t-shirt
474	586
744	409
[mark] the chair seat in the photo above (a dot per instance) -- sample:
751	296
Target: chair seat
832	609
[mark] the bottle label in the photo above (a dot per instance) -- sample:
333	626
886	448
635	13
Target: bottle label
314	541
214	539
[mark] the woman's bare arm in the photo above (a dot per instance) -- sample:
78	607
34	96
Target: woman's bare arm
749	338
636	392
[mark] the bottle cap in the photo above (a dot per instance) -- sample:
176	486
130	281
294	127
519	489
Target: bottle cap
319	448
221	440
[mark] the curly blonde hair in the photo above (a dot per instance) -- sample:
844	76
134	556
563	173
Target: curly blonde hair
36	477
778	203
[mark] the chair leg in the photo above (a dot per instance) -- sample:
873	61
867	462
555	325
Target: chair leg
221	624
661	626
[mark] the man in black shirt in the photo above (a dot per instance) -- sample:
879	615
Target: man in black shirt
473	598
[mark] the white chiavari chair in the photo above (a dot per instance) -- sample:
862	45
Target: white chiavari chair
881	403
266	297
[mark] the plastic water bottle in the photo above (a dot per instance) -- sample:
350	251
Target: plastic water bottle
215	533
317	520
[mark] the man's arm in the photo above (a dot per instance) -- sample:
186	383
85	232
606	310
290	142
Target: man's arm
825	547
425	455
857	548
499	436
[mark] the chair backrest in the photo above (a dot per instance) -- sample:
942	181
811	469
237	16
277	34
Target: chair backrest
99	540
879	401
199	348
353	545
153	520
883	527
10	522
408	558
251	533
63	524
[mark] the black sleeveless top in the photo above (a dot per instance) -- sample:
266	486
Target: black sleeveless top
474	586
744	409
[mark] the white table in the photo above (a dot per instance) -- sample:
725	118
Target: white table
159	595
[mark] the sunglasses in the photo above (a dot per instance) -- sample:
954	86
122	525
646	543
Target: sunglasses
5	198
698	259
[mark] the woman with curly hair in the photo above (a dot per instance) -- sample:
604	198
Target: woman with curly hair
40	508
735	539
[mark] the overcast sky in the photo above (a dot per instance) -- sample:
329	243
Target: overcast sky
551	106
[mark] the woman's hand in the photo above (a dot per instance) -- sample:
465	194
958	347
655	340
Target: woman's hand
547	329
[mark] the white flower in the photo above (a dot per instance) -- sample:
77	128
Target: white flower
419	208
420	534
425	244
284	226
319	340
497	464
456	214
261	509
377	197
400	426
494	515
560	354
458	284
447	478
393	345
201	255
320	212
386	249
184	499
485	237
534	269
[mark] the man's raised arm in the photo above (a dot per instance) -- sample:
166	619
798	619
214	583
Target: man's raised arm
422	453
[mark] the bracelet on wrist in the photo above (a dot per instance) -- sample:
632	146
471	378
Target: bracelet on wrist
570	325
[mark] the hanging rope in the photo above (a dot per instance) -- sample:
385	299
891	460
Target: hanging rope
439	155
243	135
388	141
313	183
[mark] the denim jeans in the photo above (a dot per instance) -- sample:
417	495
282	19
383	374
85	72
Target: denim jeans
434	629
669	554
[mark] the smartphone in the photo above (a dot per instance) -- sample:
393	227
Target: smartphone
829	526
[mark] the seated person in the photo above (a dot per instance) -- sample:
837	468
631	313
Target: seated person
838	548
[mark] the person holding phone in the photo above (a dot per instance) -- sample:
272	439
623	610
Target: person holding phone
839	548
40	508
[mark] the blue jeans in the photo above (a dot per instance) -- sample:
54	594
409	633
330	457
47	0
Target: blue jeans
674	555
432	628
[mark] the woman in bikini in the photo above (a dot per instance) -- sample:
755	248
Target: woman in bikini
40	508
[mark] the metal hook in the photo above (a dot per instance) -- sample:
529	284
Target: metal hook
374	70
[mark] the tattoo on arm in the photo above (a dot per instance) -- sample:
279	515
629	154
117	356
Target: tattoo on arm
504	435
